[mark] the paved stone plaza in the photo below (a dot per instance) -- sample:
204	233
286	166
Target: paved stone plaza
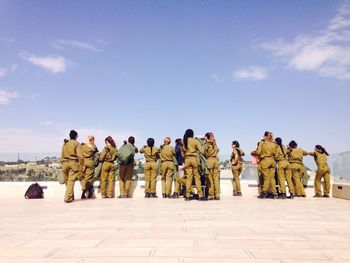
173	231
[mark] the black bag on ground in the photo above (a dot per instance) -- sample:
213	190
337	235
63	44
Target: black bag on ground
34	191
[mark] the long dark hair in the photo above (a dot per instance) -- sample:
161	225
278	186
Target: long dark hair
321	149
236	143
278	140
188	134
150	143
110	140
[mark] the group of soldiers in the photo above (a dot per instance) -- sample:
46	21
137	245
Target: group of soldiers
273	158
193	166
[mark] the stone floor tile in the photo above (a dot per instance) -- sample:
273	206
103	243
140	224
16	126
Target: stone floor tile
201	253
101	252
303	254
172	243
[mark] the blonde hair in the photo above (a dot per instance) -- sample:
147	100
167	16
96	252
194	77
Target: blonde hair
90	139
167	140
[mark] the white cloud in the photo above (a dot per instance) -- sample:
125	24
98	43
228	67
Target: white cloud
6	96
250	73
326	52
61	43
10	69
53	63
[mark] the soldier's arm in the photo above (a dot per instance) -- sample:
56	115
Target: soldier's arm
311	153
79	151
62	152
103	154
259	150
200	148
305	153
142	150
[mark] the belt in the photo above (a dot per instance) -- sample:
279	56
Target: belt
167	161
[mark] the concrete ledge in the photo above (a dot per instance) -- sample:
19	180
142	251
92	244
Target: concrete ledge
10	190
341	190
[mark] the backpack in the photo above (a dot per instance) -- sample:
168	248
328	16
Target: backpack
126	154
34	191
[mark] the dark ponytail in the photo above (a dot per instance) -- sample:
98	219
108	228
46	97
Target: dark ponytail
321	149
150	143
278	140
188	134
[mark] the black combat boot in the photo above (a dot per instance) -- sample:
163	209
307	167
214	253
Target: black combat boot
154	195
175	195
326	195
164	195
187	199
239	194
217	198
146	195
91	192
282	196
263	195
83	196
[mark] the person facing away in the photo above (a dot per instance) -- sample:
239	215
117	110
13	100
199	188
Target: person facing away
296	161
180	179
236	167
255	155
88	152
191	149
107	178
126	166
266	152
284	170
167	155
151	154
321	155
211	154
70	169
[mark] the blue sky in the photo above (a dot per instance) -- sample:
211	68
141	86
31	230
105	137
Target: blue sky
156	68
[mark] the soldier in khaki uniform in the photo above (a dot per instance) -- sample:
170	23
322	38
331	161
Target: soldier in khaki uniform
320	154
211	154
151	154
296	160
191	149
167	156
64	162
254	153
266	152
284	170
70	154
107	178
88	152
126	170
236	166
